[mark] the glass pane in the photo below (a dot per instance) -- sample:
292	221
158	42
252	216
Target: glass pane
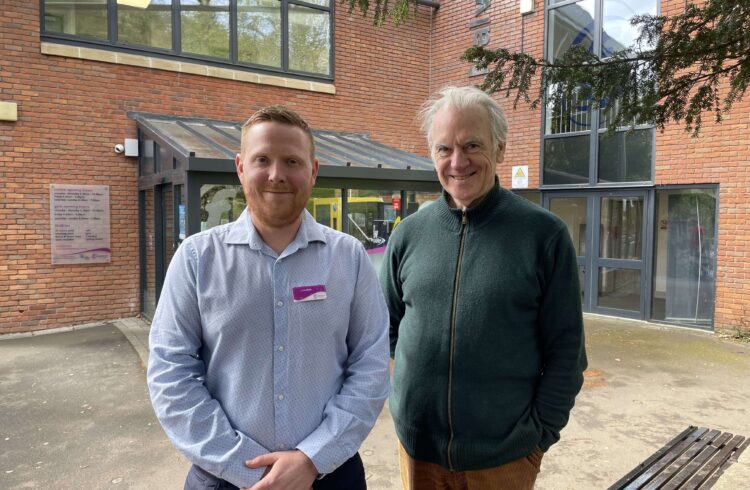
322	3
169	225
568	116
220	204
325	207
78	17
626	156
416	200
685	256
147	161
621	229
569	26
619	288
148	295
371	218
151	26
309	40
186	140
215	136
617	31
573	211
259	32
205	28
566	160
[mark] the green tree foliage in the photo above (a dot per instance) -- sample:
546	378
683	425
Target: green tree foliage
680	68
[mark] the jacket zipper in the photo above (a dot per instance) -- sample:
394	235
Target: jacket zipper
456	282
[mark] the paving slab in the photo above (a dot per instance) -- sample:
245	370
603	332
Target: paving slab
76	413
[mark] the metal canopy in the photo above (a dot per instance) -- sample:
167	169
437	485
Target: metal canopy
210	146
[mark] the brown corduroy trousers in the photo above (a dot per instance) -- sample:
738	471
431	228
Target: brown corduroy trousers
516	475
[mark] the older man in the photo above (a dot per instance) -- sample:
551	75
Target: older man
485	314
269	347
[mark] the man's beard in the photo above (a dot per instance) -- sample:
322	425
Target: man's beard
276	213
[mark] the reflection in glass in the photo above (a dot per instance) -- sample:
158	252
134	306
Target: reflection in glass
573	211
685	256
148	293
569	26
617	32
78	17
151	26
220	204
309	40
259	32
418	200
619	288
568	116
371	216
205	28
325	206
566	160
621	228
626	156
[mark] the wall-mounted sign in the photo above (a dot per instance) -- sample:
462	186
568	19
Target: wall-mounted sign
79	216
520	177
480	37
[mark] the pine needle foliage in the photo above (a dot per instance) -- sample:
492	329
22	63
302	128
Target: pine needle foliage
680	68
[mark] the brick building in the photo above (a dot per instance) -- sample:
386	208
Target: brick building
658	218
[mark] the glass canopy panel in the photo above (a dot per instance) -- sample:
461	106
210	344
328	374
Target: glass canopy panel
205	28
150	26
309	40
186	140
259	32
77	17
231	145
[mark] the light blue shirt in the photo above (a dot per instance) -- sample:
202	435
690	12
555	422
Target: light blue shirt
238	368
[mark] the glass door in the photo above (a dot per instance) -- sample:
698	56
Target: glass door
618	273
574	210
609	232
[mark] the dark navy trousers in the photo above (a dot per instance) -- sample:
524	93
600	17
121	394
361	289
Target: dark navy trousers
348	476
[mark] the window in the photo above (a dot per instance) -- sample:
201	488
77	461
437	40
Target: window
291	36
577	149
684	277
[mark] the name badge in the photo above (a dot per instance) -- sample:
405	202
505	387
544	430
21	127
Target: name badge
309	293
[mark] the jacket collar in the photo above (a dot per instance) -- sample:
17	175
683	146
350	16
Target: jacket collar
476	216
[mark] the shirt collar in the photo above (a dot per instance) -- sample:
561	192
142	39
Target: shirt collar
242	232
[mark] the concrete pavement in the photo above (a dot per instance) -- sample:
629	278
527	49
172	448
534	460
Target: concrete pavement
75	410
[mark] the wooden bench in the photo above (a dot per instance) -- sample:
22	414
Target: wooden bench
695	459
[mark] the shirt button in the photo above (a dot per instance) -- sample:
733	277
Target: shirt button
281	397
281	348
280	303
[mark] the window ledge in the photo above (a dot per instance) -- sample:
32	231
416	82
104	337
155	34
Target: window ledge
54	49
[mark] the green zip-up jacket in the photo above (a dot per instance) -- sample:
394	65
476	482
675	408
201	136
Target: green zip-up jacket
486	331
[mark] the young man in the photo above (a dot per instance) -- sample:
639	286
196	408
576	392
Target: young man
485	313
269	350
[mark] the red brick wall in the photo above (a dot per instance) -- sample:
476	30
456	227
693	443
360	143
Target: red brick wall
72	112
510	30
719	155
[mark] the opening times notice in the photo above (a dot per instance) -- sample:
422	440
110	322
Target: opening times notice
80	223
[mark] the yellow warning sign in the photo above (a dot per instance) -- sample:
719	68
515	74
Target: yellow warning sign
519	173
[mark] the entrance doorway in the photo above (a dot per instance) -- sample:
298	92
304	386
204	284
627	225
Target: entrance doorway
611	235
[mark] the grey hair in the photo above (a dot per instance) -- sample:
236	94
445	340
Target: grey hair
464	98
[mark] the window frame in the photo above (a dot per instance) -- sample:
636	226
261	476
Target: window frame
176	53
594	132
